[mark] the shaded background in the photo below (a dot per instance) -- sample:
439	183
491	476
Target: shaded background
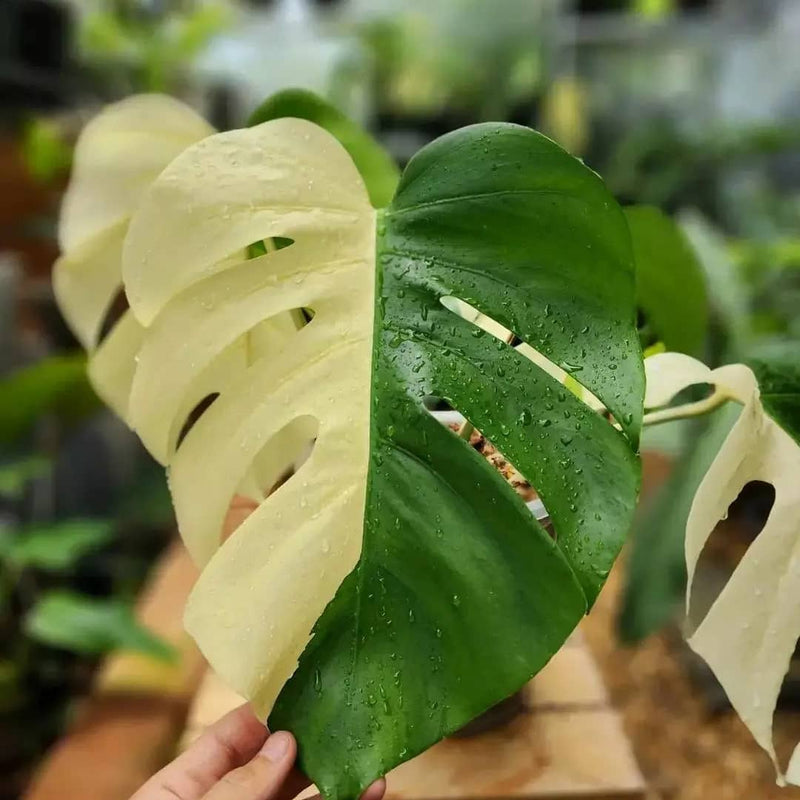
689	105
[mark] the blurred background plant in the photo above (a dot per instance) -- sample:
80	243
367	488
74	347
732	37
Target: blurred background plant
77	538
133	46
687	106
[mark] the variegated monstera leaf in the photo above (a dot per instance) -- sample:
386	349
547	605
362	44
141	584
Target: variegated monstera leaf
395	586
750	633
118	155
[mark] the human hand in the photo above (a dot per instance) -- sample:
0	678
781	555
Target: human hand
236	759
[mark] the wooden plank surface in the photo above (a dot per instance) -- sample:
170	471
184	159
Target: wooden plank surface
567	743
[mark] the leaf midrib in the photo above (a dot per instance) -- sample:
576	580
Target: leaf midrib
480	196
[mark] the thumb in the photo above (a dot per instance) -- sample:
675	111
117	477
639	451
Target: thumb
267	776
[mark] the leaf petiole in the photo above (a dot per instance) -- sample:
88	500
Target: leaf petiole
687	410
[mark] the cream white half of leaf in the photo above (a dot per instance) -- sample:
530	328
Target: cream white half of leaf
263	589
117	156
750	632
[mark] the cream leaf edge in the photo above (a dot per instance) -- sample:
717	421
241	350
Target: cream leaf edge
262	589
750	632
117	156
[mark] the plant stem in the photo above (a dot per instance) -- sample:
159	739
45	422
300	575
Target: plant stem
687	410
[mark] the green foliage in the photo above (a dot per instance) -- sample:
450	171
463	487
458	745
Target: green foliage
659	164
656	580
46	154
56	385
470	57
379	172
777	370
151	48
727	290
653	9
14	476
670	285
454	570
56	546
87	625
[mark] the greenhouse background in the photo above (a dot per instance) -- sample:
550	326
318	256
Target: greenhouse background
692	106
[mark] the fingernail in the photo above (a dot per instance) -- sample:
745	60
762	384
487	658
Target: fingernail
277	746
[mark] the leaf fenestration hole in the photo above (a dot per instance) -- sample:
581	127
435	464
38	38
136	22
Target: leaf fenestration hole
560	372
691	394
454	421
280	458
727	546
114	313
194	415
278	461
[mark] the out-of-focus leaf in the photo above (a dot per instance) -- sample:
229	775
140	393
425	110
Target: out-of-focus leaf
57	546
14	476
656	580
670	286
54	385
728	293
46	154
117	156
87	625
653	9
199	27
378	170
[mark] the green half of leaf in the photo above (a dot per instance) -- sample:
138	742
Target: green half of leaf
670	285
376	166
87	625
459	596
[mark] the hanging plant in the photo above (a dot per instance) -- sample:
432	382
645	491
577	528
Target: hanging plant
395	586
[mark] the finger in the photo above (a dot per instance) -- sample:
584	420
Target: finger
267	776
375	791
240	509
225	745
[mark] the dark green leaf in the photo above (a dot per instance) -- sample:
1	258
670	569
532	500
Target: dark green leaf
670	286
778	374
87	625
460	596
379	172
58	545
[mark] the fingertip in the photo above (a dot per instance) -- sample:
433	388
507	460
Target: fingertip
375	791
279	747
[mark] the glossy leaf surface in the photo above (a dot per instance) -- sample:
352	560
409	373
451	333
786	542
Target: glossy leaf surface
448	594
